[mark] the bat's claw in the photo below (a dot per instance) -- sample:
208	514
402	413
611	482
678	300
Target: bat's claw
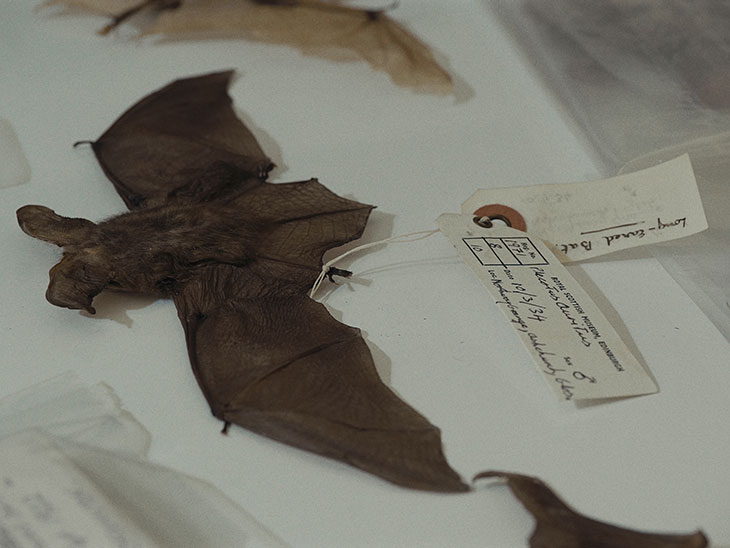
334	271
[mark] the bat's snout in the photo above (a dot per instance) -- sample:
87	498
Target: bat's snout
74	285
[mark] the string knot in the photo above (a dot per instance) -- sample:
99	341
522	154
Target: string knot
400	239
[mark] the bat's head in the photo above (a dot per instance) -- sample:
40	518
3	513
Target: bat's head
78	277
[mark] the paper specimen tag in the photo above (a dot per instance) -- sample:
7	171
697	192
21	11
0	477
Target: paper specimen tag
46	502
571	341
588	219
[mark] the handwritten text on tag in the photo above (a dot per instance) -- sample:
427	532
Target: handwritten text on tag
571	341
588	219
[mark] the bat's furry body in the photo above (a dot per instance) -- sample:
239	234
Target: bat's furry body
149	251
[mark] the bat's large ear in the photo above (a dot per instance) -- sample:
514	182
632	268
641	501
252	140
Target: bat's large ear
43	223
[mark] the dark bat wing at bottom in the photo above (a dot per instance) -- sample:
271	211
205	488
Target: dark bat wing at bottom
275	362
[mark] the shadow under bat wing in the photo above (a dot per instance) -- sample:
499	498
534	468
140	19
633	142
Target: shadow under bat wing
172	136
275	362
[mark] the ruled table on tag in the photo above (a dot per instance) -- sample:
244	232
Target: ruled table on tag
516	251
572	343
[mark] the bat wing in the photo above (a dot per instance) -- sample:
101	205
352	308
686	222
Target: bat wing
329	29
316	28
176	136
270	359
298	223
557	524
275	362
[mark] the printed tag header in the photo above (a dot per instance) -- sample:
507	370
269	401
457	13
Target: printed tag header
588	219
571	341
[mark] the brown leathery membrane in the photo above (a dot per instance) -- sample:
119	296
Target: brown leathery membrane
238	255
316	27
559	526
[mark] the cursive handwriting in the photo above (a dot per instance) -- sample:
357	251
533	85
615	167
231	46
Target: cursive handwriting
566	308
626	234
551	370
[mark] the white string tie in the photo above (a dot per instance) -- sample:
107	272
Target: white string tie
400	239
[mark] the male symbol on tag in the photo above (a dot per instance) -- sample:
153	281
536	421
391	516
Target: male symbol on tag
573	344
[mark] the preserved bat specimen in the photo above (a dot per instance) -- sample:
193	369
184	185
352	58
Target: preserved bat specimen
559	526
317	27
238	255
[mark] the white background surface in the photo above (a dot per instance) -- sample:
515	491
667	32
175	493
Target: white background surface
657	463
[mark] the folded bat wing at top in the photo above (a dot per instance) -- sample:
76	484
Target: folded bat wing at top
238	255
173	136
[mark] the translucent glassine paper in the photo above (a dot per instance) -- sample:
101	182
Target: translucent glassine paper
47	501
67	408
647	81
72	474
14	167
